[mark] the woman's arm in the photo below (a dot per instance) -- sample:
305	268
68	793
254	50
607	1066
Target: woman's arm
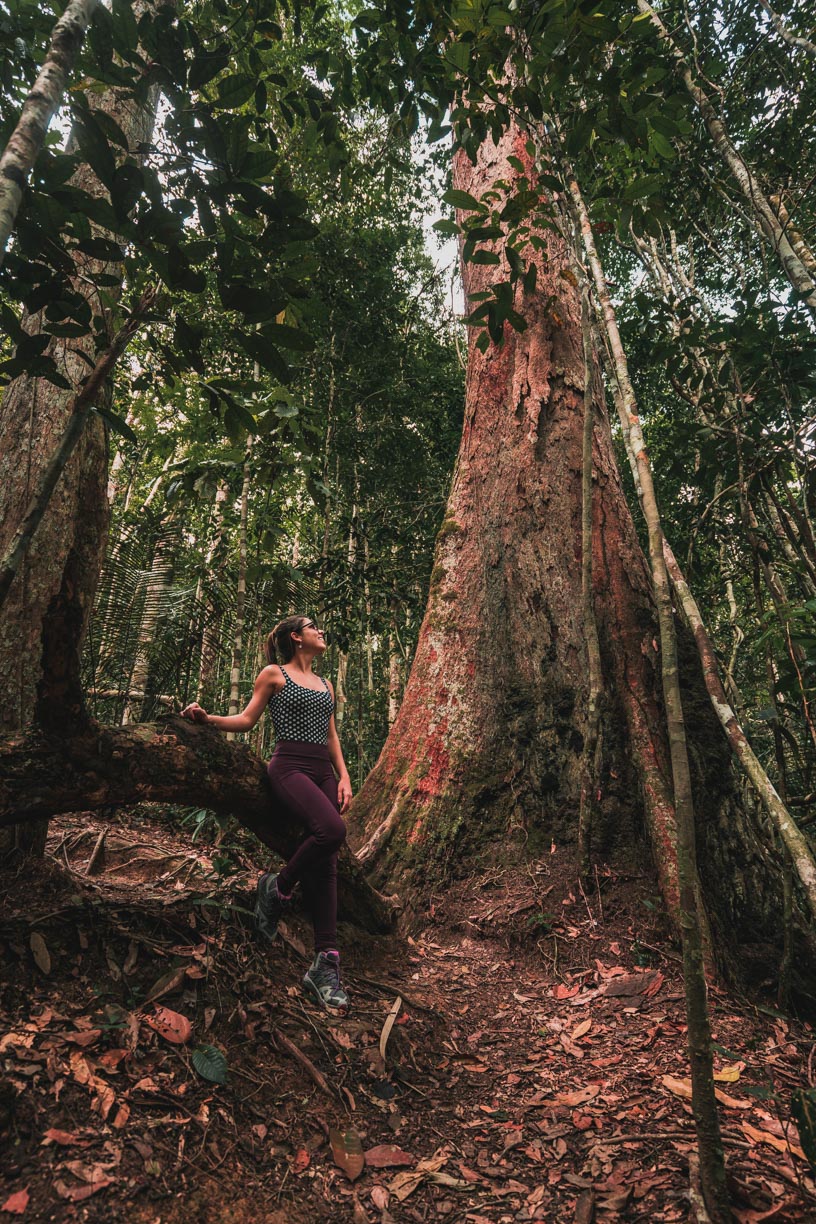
268	682
336	757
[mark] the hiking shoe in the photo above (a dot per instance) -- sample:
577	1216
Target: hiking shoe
269	905
322	982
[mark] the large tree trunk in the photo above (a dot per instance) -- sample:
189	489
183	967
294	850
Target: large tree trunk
490	734
490	731
45	616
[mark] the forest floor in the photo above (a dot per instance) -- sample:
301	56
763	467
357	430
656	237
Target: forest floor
519	1057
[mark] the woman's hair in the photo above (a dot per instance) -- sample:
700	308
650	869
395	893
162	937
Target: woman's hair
279	644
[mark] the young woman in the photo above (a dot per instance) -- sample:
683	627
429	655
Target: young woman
302	773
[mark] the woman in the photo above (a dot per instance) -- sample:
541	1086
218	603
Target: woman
307	746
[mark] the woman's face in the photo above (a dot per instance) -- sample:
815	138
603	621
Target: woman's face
312	637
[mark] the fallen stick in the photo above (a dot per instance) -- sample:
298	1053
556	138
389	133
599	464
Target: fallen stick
305	1062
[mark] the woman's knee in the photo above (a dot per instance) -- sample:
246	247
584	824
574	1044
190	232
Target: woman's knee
334	833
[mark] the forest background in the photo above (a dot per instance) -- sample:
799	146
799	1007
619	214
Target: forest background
241	203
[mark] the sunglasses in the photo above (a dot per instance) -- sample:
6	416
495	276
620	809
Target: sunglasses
310	625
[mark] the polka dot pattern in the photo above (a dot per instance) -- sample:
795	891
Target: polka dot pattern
300	713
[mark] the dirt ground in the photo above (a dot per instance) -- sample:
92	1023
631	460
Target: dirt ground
520	1056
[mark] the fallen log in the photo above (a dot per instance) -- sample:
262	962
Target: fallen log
43	774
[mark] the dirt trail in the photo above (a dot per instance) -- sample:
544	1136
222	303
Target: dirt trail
534	1069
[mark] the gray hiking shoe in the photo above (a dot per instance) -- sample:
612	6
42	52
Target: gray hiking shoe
322	982
269	905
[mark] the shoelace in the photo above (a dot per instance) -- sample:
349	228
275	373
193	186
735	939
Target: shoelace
328	974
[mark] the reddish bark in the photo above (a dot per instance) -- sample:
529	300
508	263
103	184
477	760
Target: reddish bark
488	735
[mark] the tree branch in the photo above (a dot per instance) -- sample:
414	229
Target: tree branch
172	761
39	109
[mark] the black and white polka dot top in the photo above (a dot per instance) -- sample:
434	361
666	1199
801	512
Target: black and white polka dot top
300	713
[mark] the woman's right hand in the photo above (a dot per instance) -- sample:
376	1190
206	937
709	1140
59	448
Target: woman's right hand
195	713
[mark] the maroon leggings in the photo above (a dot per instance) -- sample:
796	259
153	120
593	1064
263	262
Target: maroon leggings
303	780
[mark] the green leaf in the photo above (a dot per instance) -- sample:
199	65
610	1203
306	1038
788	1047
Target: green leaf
210	1064
458	54
101	248
236	89
289	337
446	227
463	200
118	424
484	257
206	65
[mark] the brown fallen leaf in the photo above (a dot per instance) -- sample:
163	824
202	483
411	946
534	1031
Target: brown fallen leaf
347	1150
565	992
581	1030
386	1156
17	1203
170	1025
380	1197
682	1088
64	1138
167	982
39	950
111	1059
122	1115
404	1184
630	984
389	1024
76	1194
774	1141
84	1038
585	1207
579	1097
300	1161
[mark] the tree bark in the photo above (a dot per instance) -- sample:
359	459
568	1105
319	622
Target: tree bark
487	737
172	761
46	614
240	600
159	579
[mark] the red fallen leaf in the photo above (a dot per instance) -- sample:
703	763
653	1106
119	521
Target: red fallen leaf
122	1115
65	1138
85	1038
565	992
469	1174
111	1059
631	984
581	1121
388	1157
578	1097
16	1203
301	1160
170	1025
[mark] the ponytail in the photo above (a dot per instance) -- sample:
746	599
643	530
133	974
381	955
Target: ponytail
279	645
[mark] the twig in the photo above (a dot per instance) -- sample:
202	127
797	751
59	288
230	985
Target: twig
392	988
97	851
305	1062
654	1136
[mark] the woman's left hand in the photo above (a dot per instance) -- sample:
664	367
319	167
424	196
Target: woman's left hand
344	794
